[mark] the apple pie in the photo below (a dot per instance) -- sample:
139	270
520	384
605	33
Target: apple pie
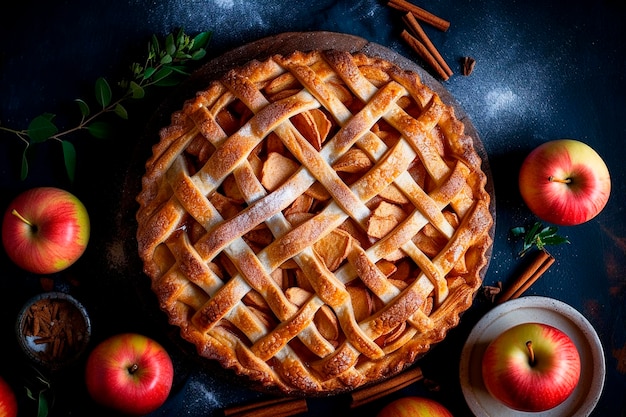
315	221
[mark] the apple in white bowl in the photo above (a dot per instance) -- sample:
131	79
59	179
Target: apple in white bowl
414	407
130	373
564	182
45	230
531	367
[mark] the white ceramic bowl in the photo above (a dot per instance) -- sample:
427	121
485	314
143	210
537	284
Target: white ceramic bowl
542	310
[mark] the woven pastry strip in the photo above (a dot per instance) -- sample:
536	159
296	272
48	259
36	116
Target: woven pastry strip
226	294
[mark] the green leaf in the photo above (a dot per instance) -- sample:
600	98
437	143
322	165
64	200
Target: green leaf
42	406
149	72
69	156
27	157
201	40
83	107
170	44
136	69
29	393
555	240
162	74
530	236
198	55
137	91
166	59
156	48
181	56
181	39
121	111
100	130
518	231
180	69
103	92
547	231
538	236
24	169
42	128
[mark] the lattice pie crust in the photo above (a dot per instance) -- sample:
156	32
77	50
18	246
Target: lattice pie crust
315	222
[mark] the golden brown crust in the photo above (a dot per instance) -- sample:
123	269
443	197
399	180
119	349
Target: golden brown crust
315	222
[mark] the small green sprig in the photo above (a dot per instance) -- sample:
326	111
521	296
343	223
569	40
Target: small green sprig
166	64
538	236
39	389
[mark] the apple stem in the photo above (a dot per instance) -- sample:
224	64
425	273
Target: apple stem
22	218
562	181
531	352
133	368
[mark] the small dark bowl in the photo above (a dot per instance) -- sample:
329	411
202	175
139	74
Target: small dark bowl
53	329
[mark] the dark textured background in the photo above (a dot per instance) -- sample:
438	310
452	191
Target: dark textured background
544	70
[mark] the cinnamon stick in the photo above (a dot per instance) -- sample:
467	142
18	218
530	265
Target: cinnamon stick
424	53
421	14
368	394
283	407
416	28
280	407
528	277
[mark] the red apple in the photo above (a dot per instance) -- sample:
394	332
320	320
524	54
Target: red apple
414	407
8	403
564	182
45	230
130	373
531	367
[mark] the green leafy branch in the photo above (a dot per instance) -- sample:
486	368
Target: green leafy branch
165	65
538	236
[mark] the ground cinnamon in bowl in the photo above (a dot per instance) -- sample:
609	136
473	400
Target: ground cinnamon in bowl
53	329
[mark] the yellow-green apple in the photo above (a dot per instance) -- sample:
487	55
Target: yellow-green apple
45	230
531	367
414	407
8	402
564	182
130	373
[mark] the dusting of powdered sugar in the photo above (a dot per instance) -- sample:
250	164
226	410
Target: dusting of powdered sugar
510	91
500	99
200	394
237	22
246	21
225	4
